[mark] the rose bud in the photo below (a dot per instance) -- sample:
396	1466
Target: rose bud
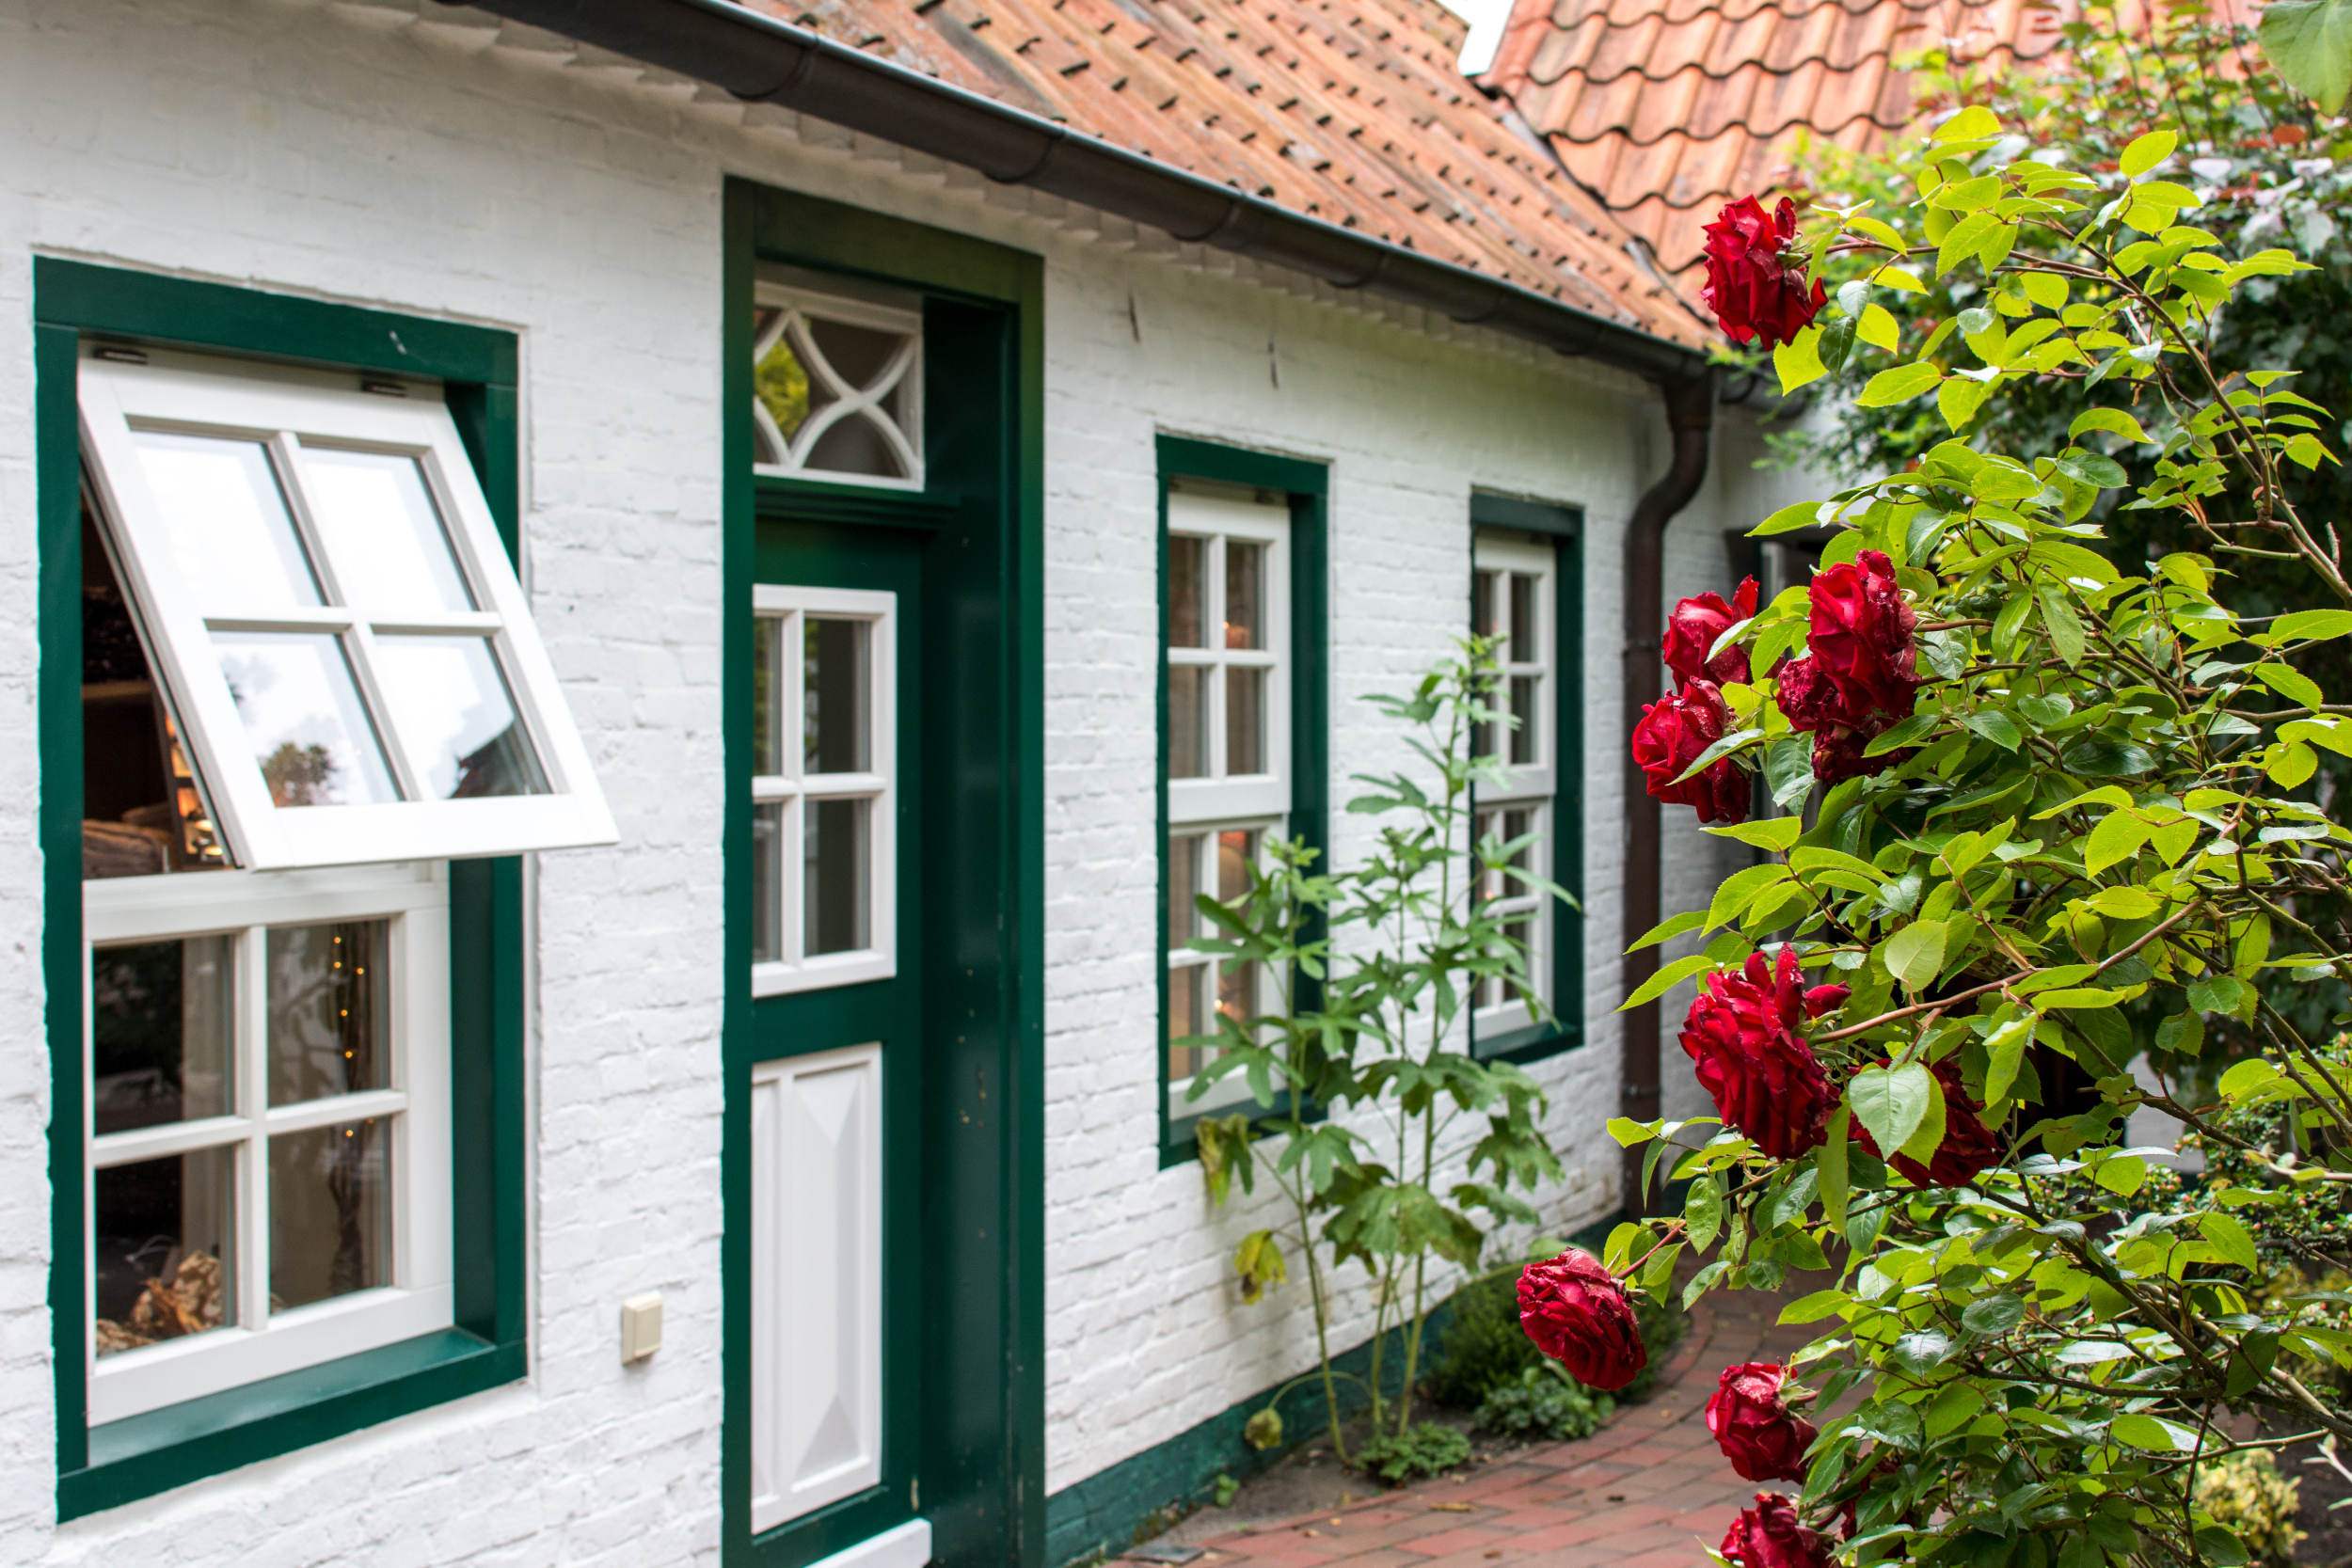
1758	1434
1751	286
1968	1147
1693	630
1579	1314
1742	1032
1674	732
1771	1536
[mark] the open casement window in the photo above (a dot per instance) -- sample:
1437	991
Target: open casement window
1228	747
839	385
268	1154
349	669
825	796
1515	597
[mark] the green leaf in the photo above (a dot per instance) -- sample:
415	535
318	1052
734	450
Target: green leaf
2223	994
2294	686
1672	975
2124	903
1994	726
1812	1309
2064	626
1891	1102
2117	838
1902	735
2108	759
2229	1238
1734	893
2005	1047
1798	360
1774	833
2146	153
1959	398
2309	43
1688	920
2221	1548
1877	328
1703	1211
2114	420
1914	956
1970	124
2316	625
1928	1135
1717	752
1830	1163
2088	467
2143	1432
1991	1315
1788	518
1899	385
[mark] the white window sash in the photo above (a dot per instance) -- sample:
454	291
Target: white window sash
421	1299
1529	786
1220	795
280	406
798	971
1233	1090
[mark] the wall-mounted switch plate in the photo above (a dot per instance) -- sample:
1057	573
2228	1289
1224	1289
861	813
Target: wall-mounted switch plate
641	1327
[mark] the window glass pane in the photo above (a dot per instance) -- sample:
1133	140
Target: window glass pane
767	694
1522	932
1187	1014
834	685
1483	604
1237	992
160	1031
163	1247
835	915
1522	619
1245	722
1187	721
767	883
330	1200
1523	709
231	536
1187	561
1245	611
1184	883
858	355
302	717
1515	825
855	444
383	533
1236	848
781	383
329	1009
455	713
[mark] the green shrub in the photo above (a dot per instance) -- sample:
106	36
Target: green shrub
1545	1403
1484	1350
2249	1497
1426	1449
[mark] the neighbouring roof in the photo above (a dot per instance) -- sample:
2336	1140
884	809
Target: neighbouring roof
1350	111
1666	109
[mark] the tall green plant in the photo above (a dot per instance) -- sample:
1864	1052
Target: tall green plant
1361	1069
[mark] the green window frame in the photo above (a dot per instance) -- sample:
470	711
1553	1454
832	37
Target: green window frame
1307	487
103	1467
1563	527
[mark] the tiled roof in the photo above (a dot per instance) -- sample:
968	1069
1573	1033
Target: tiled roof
1665	109
1351	111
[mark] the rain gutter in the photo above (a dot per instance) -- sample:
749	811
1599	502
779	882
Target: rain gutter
760	60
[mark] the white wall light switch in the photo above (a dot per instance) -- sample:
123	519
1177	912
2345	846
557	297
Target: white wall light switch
641	1327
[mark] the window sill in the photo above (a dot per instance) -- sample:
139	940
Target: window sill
142	1455
1527	1043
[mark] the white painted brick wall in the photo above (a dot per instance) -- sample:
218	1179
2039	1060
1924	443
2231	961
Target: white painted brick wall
351	153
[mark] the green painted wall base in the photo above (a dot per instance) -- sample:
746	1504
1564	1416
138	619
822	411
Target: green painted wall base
1143	1494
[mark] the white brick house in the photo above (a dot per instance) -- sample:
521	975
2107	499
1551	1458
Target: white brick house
377	394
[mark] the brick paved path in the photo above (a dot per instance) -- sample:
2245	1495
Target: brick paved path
1644	1492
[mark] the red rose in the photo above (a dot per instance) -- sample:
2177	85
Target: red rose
1758	1434
1578	1315
1694	627
1751	284
1968	1145
1742	1032
1673	733
1860	675
1769	1536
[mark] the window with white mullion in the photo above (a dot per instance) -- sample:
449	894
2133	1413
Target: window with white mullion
1513	600
824	793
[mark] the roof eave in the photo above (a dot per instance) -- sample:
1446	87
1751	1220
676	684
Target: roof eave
760	60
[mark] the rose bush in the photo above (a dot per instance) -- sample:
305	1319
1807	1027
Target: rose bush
1752	1423
1674	732
2029	781
1578	1313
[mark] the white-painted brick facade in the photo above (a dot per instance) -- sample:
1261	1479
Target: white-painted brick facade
442	167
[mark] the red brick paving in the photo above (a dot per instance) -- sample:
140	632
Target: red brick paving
1644	1492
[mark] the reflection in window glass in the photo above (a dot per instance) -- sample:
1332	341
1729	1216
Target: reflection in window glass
767	883
1187	560
1523	709
1187	721
832	702
855	444
1184	861
767	694
163	1246
1245	722
329	1213
1244	625
1483	604
457	717
1187	1014
232	535
1522	618
160	1022
383	534
329	1010
302	718
833	918
858	355
783	386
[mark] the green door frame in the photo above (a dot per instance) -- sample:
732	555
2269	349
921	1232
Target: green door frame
100	1467
980	1466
